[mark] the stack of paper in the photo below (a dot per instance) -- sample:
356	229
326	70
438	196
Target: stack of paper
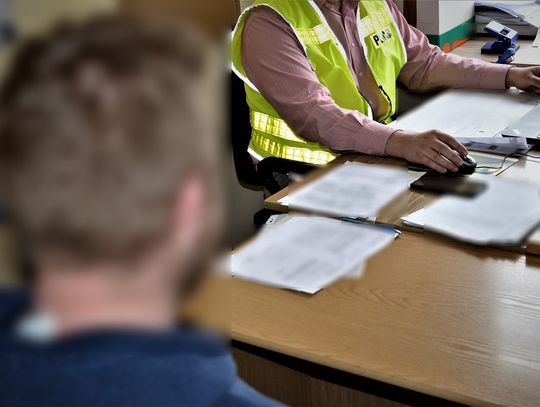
503	214
308	253
474	117
527	11
352	190
485	16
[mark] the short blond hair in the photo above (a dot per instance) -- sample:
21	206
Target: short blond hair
101	123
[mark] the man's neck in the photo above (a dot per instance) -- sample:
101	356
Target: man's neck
104	298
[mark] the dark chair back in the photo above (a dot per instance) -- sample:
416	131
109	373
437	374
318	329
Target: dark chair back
241	135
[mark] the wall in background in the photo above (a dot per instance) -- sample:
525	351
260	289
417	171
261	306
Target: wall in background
244	3
33	16
215	17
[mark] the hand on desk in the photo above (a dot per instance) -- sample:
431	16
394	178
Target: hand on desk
527	79
433	148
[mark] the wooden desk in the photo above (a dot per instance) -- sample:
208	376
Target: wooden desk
406	203
411	201
525	56
432	315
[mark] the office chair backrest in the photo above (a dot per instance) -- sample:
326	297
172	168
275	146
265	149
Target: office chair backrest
241	135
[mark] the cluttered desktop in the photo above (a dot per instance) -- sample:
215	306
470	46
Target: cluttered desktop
383	269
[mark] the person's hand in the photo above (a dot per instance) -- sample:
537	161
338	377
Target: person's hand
435	149
527	79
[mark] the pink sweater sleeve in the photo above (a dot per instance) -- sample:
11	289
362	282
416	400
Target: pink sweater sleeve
275	63
428	67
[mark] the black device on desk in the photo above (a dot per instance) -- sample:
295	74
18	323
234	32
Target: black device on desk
444	184
455	183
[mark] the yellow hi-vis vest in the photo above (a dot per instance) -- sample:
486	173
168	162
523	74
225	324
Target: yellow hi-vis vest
384	51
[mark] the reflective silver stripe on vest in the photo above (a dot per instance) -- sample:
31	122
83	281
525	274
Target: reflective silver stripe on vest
262	123
275	149
314	36
272	125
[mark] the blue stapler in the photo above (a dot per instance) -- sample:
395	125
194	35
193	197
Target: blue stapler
505	45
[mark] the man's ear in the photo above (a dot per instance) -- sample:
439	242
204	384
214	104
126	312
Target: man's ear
189	215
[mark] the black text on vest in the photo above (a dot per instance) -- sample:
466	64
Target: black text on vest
382	36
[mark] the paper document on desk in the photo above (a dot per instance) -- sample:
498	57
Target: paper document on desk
502	146
471	115
503	214
528	10
353	190
414	219
308	253
527	126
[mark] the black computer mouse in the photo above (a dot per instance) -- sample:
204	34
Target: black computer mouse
468	167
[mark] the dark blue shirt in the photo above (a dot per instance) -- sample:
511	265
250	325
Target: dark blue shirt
117	368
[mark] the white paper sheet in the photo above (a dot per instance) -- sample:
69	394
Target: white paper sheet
284	201
470	115
536	42
527	126
415	219
308	253
503	214
352	190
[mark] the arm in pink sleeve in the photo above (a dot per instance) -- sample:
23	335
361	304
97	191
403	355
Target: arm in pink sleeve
428	67
276	64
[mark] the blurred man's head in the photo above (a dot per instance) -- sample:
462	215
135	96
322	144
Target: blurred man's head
108	146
